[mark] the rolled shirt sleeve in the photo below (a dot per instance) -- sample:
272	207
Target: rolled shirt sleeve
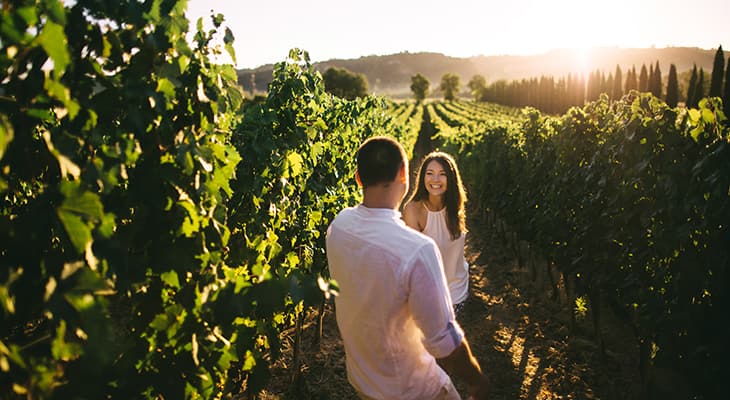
430	302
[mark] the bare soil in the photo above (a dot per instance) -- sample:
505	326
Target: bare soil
517	329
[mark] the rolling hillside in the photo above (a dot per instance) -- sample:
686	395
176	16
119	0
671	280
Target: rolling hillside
390	74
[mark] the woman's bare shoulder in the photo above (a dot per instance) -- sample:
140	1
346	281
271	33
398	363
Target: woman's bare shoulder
412	207
414	215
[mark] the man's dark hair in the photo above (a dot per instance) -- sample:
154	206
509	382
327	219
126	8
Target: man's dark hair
379	159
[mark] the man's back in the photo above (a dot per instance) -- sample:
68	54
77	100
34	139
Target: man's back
393	310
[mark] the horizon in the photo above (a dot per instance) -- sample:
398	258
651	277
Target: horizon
329	30
569	50
555	63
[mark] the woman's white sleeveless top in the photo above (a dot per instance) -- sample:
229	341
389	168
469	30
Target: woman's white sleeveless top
452	252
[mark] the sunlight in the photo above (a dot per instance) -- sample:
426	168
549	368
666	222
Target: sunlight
523	359
465	28
510	342
489	300
532	368
517	349
568	24
583	60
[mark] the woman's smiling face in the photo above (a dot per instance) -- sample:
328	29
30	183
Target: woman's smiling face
435	178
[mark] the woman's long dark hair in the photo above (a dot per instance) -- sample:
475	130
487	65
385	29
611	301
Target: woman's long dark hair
455	196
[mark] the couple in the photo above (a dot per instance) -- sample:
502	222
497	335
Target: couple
394	310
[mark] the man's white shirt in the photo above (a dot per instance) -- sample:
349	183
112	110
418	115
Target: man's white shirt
394	309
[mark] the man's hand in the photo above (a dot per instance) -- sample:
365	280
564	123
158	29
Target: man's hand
479	390
462	363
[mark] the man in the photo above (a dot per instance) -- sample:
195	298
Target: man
394	311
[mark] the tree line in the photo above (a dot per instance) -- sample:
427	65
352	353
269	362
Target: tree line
558	95
351	85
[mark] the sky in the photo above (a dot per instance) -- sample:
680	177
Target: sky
265	30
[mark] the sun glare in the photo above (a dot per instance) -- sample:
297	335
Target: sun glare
465	28
583	61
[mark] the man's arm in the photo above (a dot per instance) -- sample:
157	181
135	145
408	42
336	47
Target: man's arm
430	306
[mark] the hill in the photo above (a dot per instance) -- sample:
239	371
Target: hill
391	74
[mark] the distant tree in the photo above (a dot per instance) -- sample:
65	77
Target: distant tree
580	91
450	84
650	81
344	83
643	79
718	68
631	83
608	86
656	82
691	87
594	85
600	83
699	88
569	90
419	87
617	81
561	95
726	92
477	85
672	87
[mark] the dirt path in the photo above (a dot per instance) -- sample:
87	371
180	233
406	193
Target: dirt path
519	335
523	340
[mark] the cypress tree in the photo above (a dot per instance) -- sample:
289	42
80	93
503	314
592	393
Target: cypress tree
604	84
718	68
726	92
559	94
580	91
657	82
591	81
608	87
564	95
634	83
594	85
574	88
552	99
643	79
672	87
700	88
617	80
541	90
691	87
631	83
650	81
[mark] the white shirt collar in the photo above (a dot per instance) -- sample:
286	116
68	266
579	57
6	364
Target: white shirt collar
384	213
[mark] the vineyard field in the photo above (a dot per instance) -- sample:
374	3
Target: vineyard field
162	235
576	216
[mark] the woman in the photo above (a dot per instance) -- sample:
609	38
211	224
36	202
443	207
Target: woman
436	209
